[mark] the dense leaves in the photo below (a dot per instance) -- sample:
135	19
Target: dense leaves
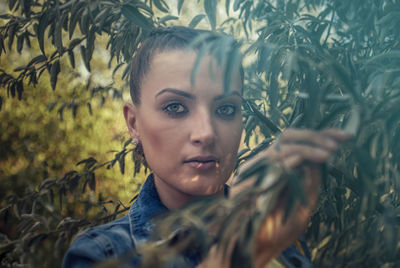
313	64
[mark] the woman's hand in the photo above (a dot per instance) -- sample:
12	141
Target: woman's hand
296	149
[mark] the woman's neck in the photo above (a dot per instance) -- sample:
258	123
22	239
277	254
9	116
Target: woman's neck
171	197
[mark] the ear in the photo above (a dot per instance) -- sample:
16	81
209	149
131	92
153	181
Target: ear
130	114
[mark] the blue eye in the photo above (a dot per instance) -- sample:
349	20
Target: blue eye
227	110
175	109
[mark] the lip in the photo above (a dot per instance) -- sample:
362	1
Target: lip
202	162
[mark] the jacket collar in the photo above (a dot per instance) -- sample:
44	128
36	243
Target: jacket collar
146	206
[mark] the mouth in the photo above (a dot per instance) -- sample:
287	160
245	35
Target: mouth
202	162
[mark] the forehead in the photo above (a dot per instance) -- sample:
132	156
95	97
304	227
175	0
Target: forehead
172	62
173	68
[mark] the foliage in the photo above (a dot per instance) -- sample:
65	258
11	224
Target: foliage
308	63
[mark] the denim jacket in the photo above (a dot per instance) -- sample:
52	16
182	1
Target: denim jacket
121	236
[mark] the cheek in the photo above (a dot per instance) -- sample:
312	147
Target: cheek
235	132
230	140
158	137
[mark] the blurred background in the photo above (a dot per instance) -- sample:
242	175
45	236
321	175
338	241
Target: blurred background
65	159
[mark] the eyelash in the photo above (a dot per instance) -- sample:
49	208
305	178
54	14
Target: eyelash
176	109
168	106
231	114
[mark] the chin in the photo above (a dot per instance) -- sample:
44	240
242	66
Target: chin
210	189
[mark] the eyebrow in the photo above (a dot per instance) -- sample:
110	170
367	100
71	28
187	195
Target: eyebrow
191	96
228	94
175	91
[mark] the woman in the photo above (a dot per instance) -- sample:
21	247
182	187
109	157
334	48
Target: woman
190	134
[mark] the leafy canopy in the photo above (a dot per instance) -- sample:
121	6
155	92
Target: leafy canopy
308	63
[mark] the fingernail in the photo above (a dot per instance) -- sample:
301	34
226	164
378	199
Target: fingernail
323	153
331	144
346	133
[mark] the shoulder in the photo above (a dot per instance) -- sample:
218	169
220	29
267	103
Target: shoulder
297	255
99	243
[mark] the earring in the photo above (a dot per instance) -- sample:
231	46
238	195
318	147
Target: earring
135	141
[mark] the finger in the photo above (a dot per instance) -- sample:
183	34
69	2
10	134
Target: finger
312	184
306	152
292	155
238	188
293	161
337	134
309	137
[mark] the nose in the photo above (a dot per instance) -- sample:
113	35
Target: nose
203	130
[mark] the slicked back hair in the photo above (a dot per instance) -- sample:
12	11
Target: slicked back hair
159	40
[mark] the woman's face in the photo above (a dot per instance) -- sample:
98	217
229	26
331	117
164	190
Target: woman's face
189	134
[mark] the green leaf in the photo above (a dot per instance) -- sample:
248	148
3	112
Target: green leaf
167	18
37	59
74	182
227	6
264	119
144	7
54	71
388	18
180	4
71	58
374	145
64	21
367	167
74	43
43	23
232	68
236	4
291	65
20	43
84	21
161	5
89	105
75	15
20	89
242	152
91	181
58	38
121	162
200	55
134	16
20	68
85	58
264	53
196	20
102	16
11	88
116	69
11	34
58	246
36	239
11	4
74	109
210	6
61	192
353	122
376	86
249	127
332	116
273	89
6	16
27	40
90	43
2	47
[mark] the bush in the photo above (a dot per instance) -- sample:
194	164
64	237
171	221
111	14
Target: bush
308	64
